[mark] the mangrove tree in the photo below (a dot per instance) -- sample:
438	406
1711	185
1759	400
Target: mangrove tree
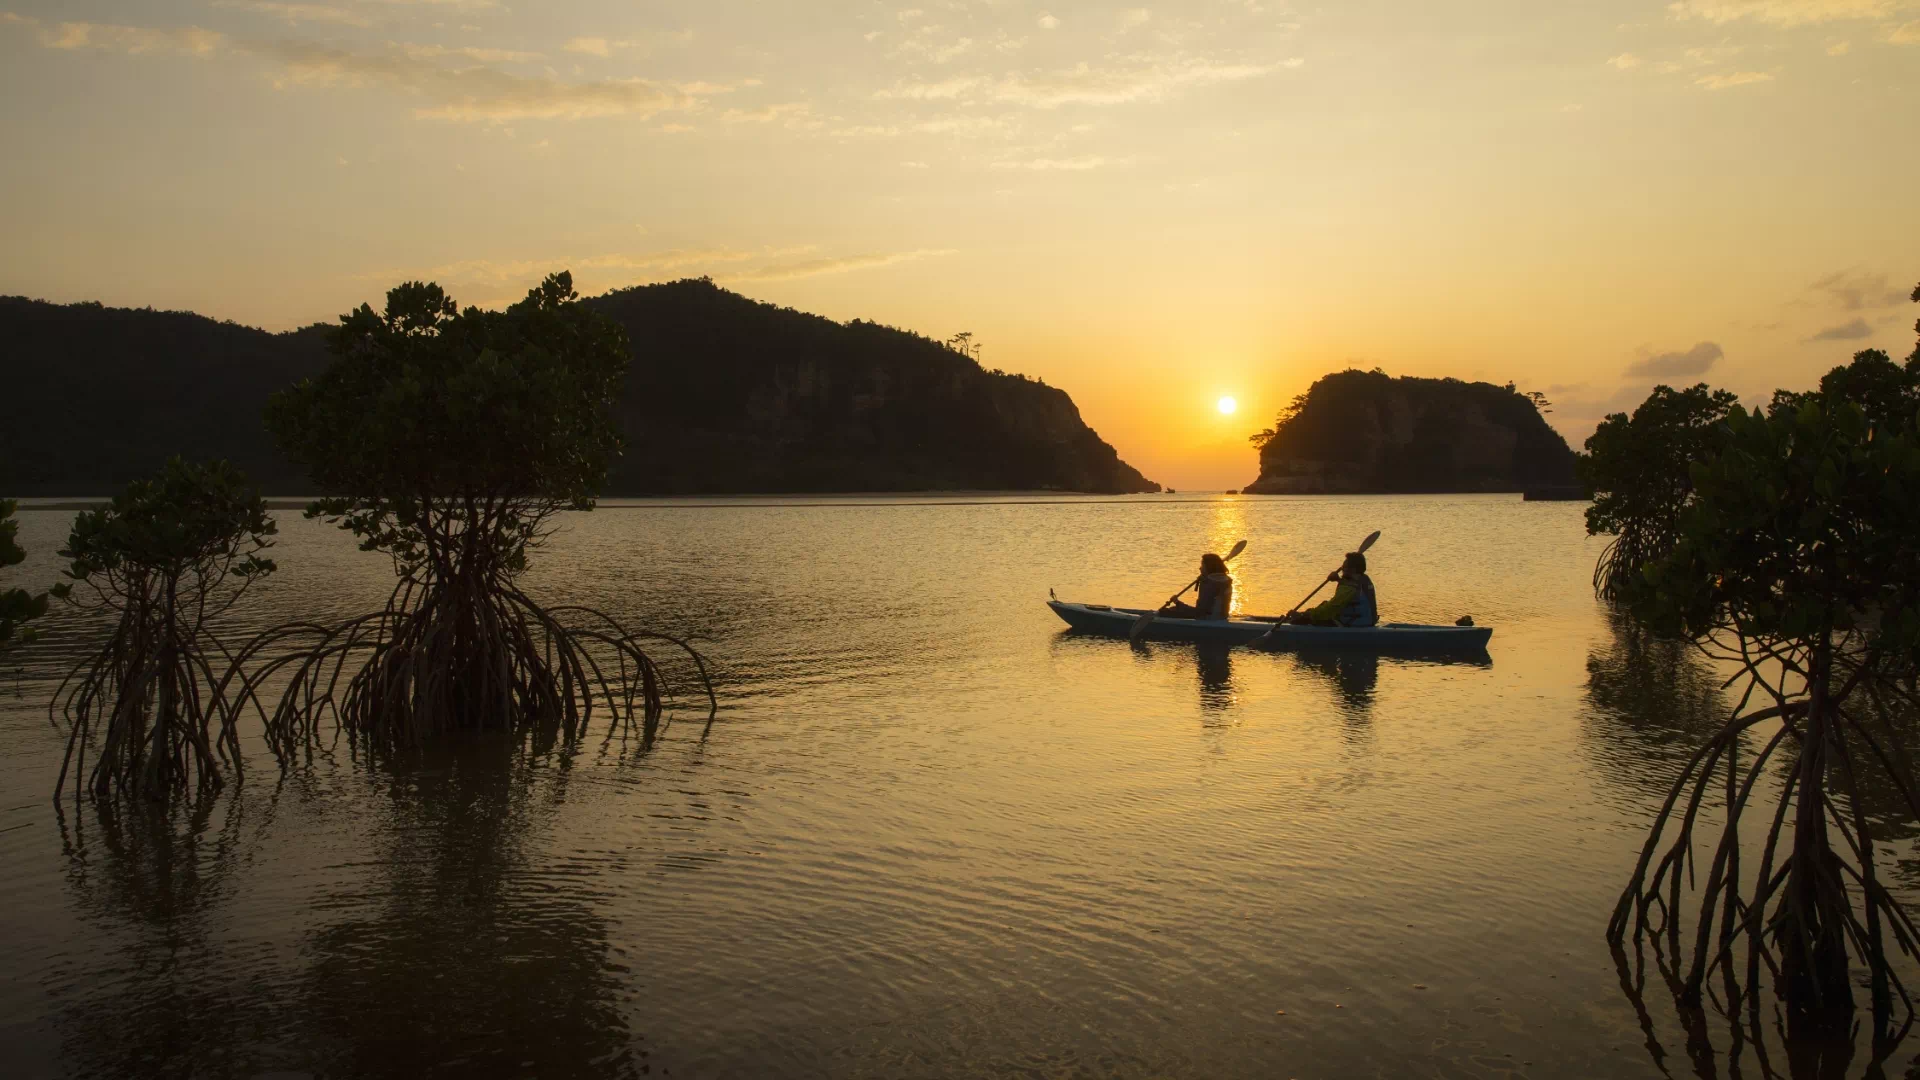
450	440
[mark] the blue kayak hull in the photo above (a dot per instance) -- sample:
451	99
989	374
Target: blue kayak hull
1270	634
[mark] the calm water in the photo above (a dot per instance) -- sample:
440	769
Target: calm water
930	835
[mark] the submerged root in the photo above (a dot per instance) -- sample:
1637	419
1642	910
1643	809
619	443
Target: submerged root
148	707
459	656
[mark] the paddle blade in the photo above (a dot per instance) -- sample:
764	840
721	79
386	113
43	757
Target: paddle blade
1241	546
1368	542
1140	626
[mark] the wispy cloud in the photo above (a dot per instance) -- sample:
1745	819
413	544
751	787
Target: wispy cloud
301	13
465	52
360	13
474	93
766	114
462	92
605	48
1152	81
450	5
1851	290
493	279
1847	331
943	54
818	267
492	272
964	125
1073	164
132	40
1905	34
1084	84
942	90
1625	61
1694	361
1728	80
592	46
1785	12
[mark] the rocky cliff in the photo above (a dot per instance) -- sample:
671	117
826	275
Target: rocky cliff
725	396
1358	432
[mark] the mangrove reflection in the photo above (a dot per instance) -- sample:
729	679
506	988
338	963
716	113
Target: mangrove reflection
1755	1042
156	884
466	956
1650	703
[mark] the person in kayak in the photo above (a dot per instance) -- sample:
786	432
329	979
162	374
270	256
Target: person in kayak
1353	603
1216	593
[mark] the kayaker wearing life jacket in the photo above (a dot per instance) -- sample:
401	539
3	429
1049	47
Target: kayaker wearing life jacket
1353	603
1216	593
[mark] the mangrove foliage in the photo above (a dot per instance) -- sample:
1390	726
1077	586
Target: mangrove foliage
1638	470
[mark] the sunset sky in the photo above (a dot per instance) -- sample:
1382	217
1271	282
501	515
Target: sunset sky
1149	206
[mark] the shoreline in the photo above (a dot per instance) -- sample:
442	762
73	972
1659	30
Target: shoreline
300	502
854	499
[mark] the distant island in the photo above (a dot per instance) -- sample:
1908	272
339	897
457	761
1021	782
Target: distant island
725	396
1365	432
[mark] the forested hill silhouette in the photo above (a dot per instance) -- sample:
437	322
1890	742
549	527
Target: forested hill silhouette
726	395
1366	431
98	396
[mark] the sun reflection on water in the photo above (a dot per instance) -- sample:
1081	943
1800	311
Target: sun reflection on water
1228	527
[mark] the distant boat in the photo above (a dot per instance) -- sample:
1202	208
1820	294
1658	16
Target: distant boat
1271	633
1231	491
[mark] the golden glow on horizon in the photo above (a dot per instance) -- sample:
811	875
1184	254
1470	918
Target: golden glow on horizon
1227	406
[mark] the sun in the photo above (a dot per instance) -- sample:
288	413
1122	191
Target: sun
1227	406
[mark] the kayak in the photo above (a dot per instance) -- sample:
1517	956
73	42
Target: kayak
1271	633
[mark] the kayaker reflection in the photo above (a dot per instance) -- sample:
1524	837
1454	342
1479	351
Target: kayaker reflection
1215	664
1354	603
1216	593
1355	673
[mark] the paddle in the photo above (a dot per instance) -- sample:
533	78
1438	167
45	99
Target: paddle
1362	549
1140	624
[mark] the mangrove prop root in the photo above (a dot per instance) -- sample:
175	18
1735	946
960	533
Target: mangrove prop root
1813	903
459	655
149	709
